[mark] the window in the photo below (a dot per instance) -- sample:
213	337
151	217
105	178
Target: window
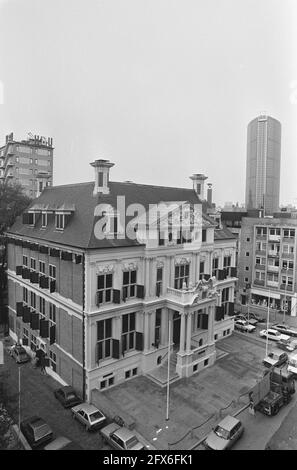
247	253
33	343
60	221
42	306
227	265
247	268
128	332
203	235
25	260
206	362
225	299
52	271
33	264
42	267
53	360
104	343
104	288
52	314
246	279
159	282
129	284
215	266
43	219
127	374
158	326
201	269
26	335
181	275
33	300
36	161
134	371
248	239
25	295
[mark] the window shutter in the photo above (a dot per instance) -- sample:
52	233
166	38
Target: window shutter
221	275
43	249
243	299
19	309
44	282
116	296
34	277
66	256
26	314
44	328
53	286
115	348
139	341
218	313
78	259
54	253
140	292
26	273
231	309
233	272
34	321
204	322
124	296
34	247
97	299
19	270
52	334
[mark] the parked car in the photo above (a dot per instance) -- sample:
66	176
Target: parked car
275	359
89	416
274	335
62	443
256	317
36	431
285	329
243	325
67	396
225	434
19	353
120	437
288	345
246	318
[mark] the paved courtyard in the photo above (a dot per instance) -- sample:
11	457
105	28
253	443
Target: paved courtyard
193	400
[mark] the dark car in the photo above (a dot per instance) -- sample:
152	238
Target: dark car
36	431
19	354
67	396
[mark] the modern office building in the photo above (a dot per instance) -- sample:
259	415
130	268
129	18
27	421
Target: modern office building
105	309
28	163
263	164
267	264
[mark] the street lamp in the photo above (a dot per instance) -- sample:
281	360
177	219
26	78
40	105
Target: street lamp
285	304
267	326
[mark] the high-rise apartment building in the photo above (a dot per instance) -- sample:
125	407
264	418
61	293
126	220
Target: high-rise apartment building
263	164
27	162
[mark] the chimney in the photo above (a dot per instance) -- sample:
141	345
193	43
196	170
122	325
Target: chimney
198	184
101	176
209	193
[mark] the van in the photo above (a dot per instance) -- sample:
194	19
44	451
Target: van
292	366
275	359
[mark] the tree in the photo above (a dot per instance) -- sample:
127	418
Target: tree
13	202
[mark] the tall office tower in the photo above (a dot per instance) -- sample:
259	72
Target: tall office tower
263	164
27	162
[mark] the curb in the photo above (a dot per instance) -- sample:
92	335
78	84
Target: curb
19	435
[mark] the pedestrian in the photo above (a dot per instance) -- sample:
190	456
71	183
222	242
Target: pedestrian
43	364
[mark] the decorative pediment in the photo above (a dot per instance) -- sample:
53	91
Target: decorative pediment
130	266
183	260
206	289
160	264
102	269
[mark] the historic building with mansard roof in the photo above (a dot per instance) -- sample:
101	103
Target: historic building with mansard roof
105	308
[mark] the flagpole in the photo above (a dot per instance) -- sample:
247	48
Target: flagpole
168	369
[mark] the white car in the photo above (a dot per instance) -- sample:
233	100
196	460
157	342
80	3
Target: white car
273	335
243	325
89	416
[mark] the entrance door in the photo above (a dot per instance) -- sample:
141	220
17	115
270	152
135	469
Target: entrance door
176	328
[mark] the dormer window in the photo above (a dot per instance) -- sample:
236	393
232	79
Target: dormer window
60	221
43	219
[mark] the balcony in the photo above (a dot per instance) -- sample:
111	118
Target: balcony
261	252
273	253
273	284
289	240
261	237
288	255
289	272
262	267
274	238
286	288
273	269
186	297
259	282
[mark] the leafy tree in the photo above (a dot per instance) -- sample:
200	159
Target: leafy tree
13	202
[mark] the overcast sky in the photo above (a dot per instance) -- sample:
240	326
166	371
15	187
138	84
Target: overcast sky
162	88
